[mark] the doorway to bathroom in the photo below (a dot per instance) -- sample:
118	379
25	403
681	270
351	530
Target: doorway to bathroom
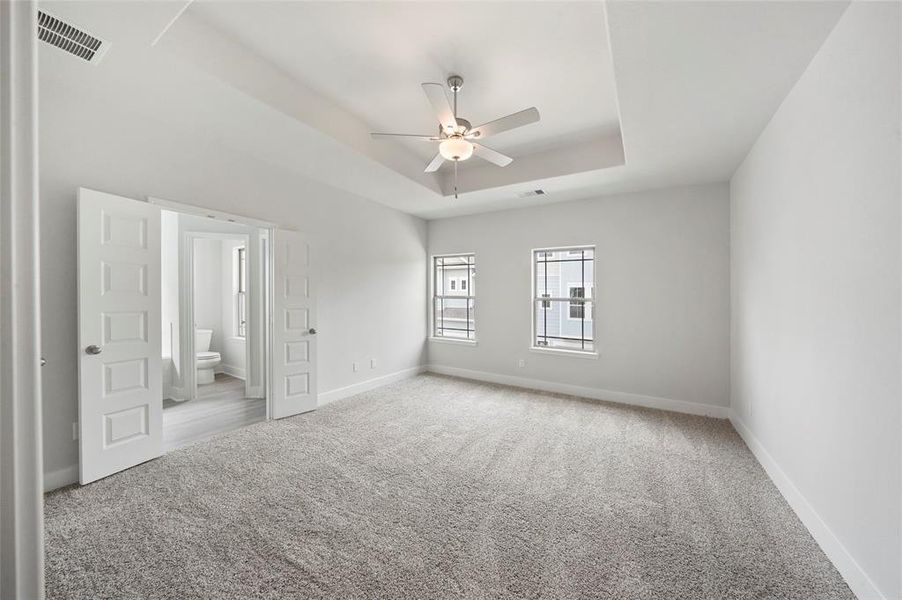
214	303
150	342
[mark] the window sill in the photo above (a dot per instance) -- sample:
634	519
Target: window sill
564	352
442	340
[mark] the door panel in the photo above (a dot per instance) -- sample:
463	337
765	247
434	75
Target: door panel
294	340
120	404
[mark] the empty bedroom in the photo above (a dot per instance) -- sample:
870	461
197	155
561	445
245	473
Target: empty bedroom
387	299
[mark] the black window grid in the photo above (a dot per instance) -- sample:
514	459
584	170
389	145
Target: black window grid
439	328
543	298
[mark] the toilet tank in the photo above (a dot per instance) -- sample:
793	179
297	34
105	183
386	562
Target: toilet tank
202	339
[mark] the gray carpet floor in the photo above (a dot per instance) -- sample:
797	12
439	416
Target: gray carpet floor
442	488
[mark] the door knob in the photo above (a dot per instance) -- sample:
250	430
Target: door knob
311	331
93	349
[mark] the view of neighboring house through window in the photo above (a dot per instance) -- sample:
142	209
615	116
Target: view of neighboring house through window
563	299
241	292
454	297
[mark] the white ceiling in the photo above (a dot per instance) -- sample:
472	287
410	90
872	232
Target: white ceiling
370	57
696	82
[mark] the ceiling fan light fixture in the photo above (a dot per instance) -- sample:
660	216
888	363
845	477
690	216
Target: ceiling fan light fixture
456	148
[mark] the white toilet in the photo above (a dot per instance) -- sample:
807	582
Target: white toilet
207	360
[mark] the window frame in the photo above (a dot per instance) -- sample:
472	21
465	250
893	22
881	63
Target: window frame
240	276
468	297
537	301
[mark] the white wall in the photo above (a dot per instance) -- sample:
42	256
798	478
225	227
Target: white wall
208	289
662	268
368	256
816	295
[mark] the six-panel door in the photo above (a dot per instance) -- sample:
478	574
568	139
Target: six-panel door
120	395
294	336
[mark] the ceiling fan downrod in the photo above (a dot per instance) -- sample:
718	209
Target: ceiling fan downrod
455	82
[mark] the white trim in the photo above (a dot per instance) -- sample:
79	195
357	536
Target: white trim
179	394
563	352
680	406
60	478
199	211
842	559
450	340
236	372
21	459
325	398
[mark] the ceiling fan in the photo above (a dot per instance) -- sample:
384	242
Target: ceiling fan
456	137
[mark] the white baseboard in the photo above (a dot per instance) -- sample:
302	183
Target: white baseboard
365	386
848	567
236	372
681	406
175	393
60	478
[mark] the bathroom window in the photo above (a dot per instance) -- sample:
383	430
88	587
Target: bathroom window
241	292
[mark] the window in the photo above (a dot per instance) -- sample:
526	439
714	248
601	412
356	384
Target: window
241	292
564	280
453	297
576	306
546	304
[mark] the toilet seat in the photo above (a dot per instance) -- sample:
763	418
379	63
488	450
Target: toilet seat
206	362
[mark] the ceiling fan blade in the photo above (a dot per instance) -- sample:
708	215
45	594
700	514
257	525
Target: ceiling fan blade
492	156
439	101
426	138
434	164
518	119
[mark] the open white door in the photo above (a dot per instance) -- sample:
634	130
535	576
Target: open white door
293	335
120	407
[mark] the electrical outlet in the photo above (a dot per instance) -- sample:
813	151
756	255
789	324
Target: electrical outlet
521	363
74	430
372	363
355	366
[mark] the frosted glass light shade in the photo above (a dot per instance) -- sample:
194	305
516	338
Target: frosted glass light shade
456	149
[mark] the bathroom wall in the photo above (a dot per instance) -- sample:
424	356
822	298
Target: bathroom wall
208	289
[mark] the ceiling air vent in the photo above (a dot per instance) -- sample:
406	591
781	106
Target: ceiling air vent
69	38
531	194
